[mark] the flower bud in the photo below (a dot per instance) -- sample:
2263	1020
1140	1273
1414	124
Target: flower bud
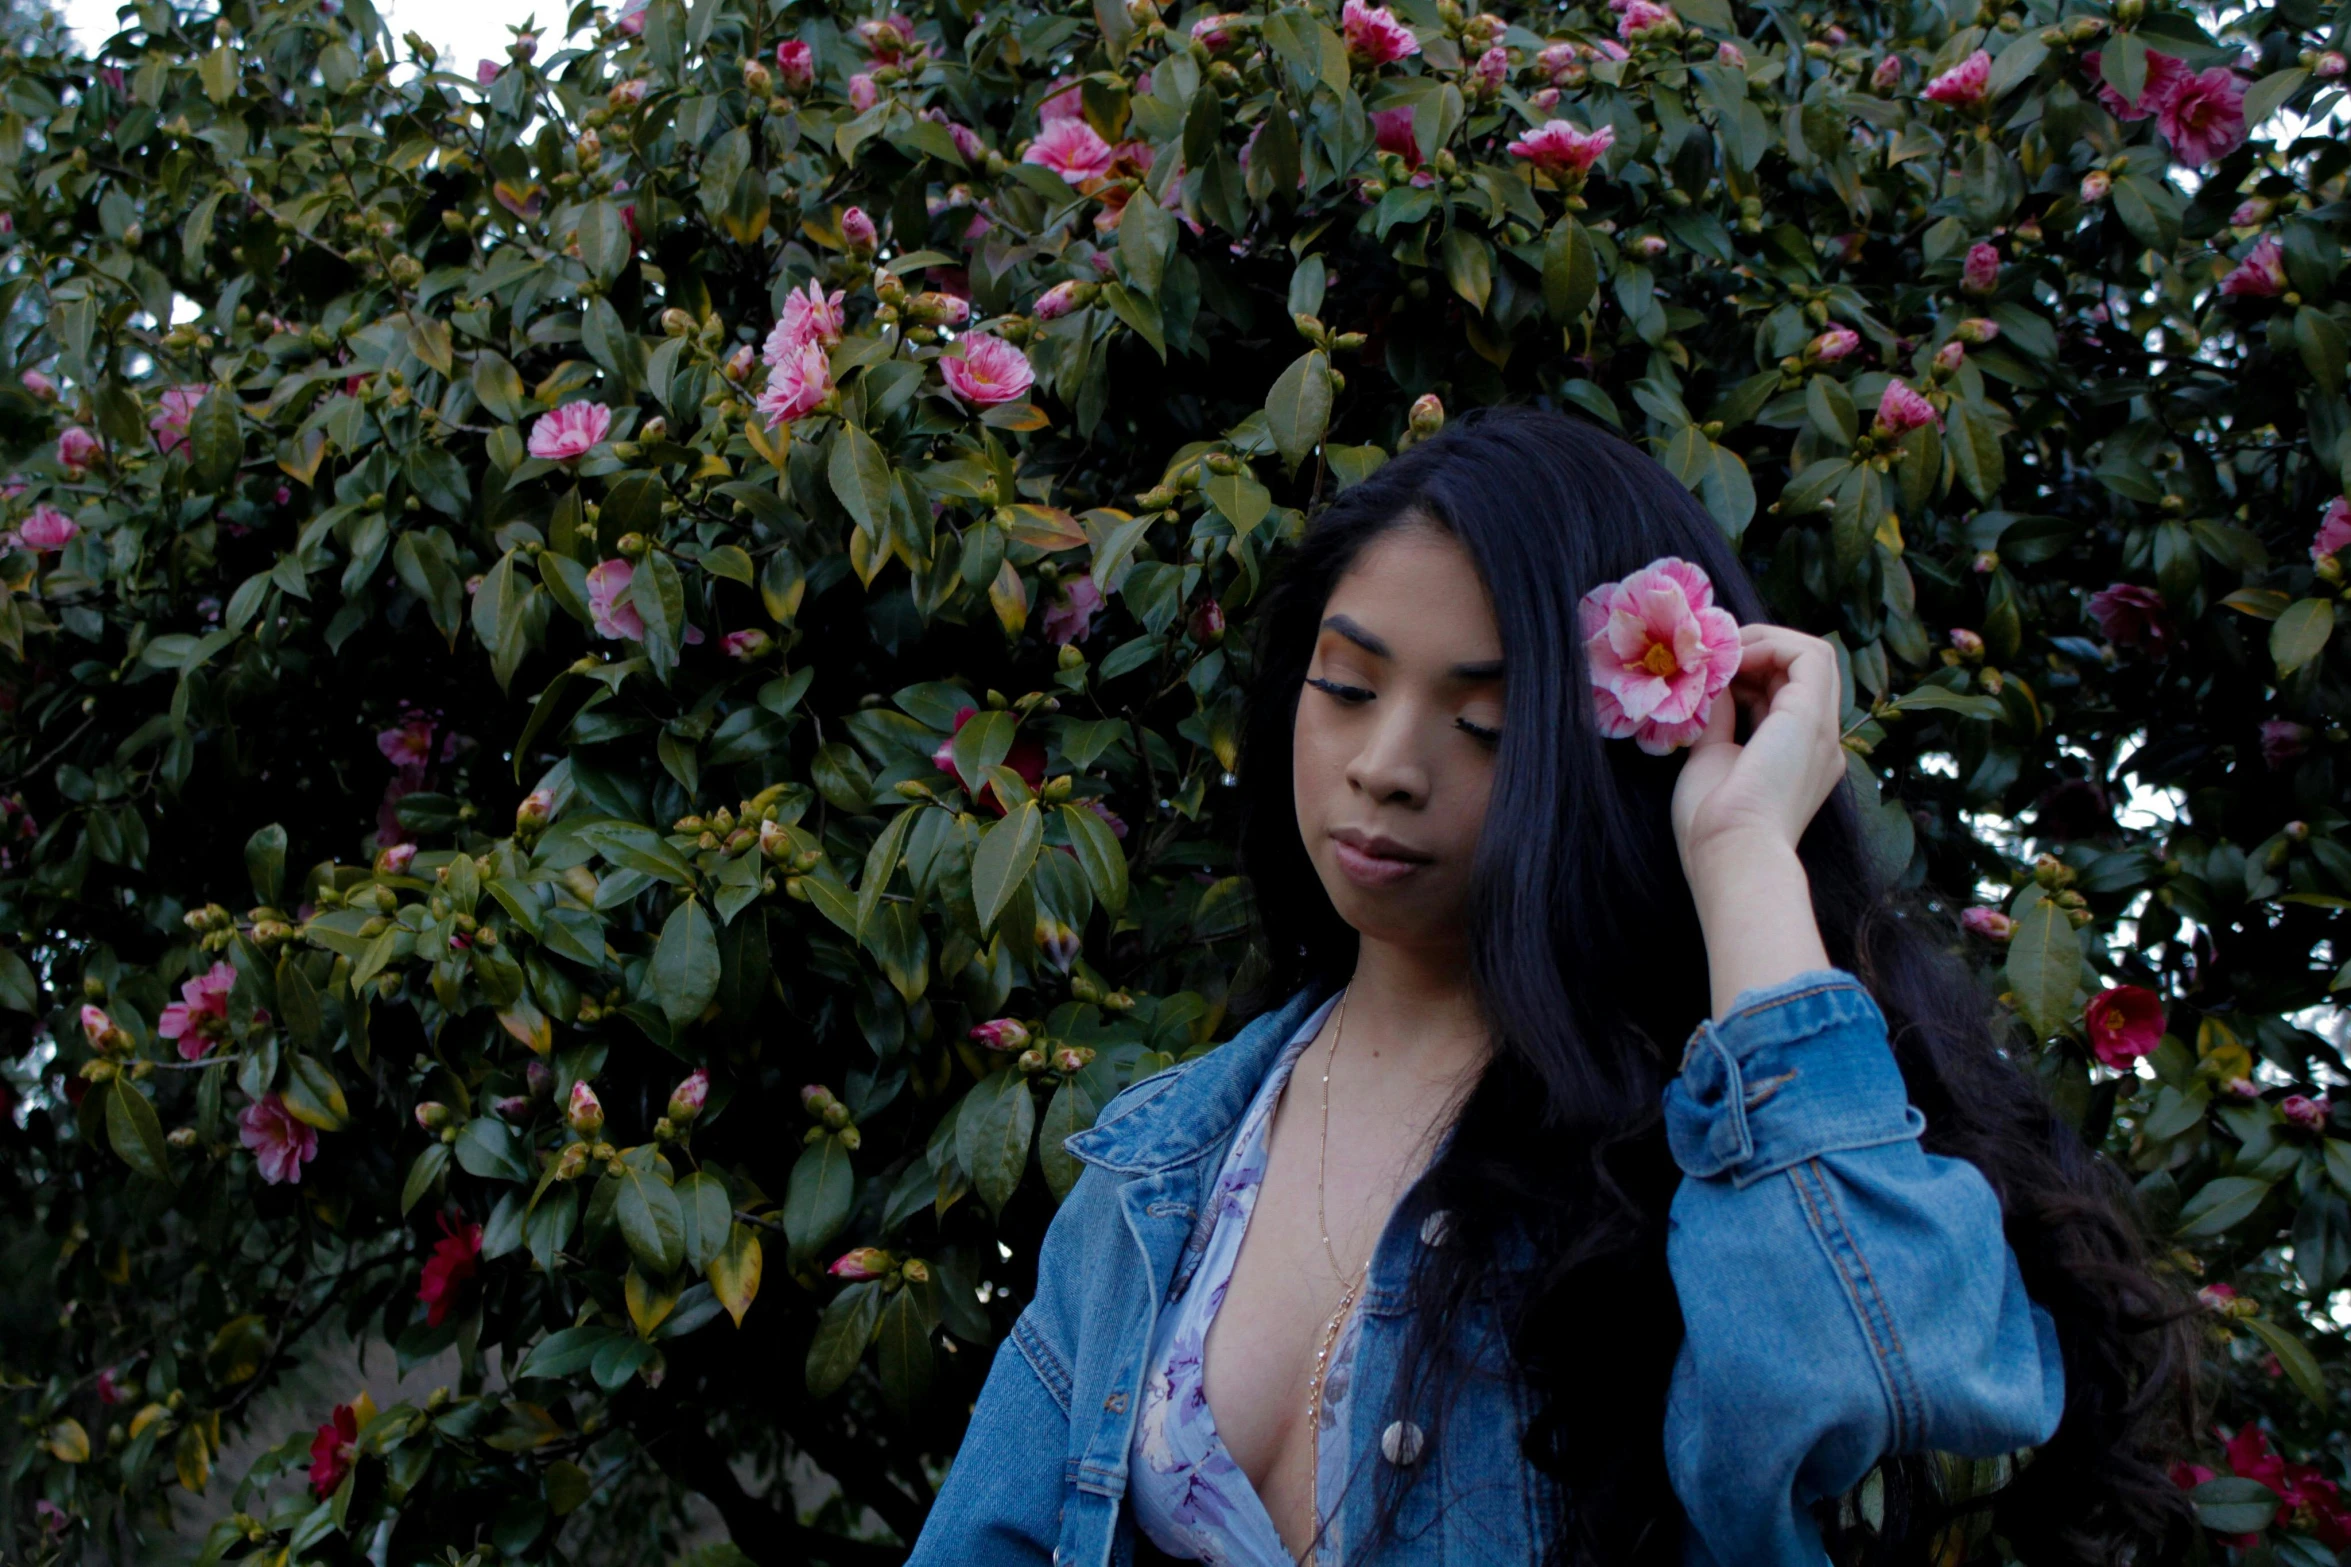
513	1107
858	232
1977	330
2307	1113
536	811
585	1114
686	1100
1003	1033
816	1099
431	1115
570	1162
181	1137
1072	1058
866	1262
2095	185
758	80
1428	415
541	1079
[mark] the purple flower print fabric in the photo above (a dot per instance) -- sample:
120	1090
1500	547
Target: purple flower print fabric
1189	1496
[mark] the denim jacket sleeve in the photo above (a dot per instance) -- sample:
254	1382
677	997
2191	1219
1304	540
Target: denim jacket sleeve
1845	1293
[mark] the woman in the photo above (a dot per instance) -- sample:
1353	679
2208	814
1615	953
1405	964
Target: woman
1622	1173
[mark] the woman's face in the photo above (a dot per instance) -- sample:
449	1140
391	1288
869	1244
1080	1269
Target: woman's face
1393	750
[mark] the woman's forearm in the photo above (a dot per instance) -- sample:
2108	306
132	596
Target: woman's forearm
1755	907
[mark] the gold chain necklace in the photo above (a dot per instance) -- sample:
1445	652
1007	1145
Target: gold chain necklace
1338	1318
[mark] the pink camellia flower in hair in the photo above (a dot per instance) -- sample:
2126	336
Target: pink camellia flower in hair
2261	275
1374	36
48	529
613	619
2124	1022
174	408
1561	148
2334	529
797	387
569	431
988	371
1659	651
1963	84
810	316
281	1145
77	448
2165	73
1901	410
1071	149
2204	118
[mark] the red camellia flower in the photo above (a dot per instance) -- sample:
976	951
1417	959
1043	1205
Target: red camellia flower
2125	1022
454	1258
2129	615
1027	758
331	1451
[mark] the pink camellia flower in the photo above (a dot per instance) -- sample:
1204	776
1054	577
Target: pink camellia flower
2165	73
795	66
1374	36
1005	1034
2330	64
866	1262
1949	357
96	1025
40	385
2252	212
609	611
1638	18
1888	74
2217	1298
1730	54
1071	149
1980	272
77	449
1055	302
746	644
629	93
810	316
48	529
485	72
1836	343
1558	64
631	19
1215	31
2095	185
200	1018
687	1099
1391	131
333	1448
1561	148
567	433
455	1257
862	91
1659	651
2129	615
1543	100
858	232
1492	69
2334	529
797	387
1064	100
584	1112
967	141
2204	118
1963	85
410	746
281	1145
109	1390
2124	1022
988	371
174	408
2283	741
1901	409
2309	1114
2262	274
1990	924
395	860
1073	617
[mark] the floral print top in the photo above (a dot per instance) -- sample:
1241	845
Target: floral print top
1189	1496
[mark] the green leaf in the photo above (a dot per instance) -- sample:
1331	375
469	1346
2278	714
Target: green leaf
1298	409
881	862
2266	96
1469	267
1098	852
1571	273
215	444
905	1359
1004	856
2234	1504
2220	1203
1146	238
843	1330
651	1223
2294	1357
1070	1111
427	1169
816	1201
1007	1125
684	971
265	862
2044	967
19	991
135	1132
708	1217
604	239
861	479
2301	633
1240	497
489	1148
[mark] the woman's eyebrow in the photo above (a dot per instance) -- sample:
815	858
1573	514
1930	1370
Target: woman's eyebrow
1354	631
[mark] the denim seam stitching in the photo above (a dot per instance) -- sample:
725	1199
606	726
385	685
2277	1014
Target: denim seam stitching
1905	1383
1054	1376
1781	1001
1837	1240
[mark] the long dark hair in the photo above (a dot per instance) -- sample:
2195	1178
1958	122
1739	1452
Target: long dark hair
1588	963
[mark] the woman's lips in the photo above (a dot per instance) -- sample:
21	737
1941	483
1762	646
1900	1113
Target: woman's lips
1367	868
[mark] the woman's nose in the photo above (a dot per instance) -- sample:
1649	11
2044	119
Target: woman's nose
1391	766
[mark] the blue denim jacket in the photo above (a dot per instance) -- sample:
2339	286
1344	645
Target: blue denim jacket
1845	1295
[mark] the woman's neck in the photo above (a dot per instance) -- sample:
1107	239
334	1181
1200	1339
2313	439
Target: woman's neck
1414	1010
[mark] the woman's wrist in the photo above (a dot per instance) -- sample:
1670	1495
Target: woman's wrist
1754	905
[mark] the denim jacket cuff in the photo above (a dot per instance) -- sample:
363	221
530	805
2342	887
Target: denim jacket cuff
1795	1069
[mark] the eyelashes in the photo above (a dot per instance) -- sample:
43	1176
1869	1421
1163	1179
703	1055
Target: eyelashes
1354	695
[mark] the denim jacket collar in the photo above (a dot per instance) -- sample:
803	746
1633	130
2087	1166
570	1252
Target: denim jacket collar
1174	1117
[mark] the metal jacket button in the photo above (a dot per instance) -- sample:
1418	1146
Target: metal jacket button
1400	1443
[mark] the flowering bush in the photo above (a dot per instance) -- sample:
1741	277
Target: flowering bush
617	689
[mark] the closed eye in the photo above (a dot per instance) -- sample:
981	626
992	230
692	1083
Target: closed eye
1479	731
1344	693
